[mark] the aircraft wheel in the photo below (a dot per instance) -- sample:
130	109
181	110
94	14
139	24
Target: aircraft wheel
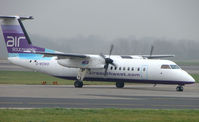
119	84
179	88
78	84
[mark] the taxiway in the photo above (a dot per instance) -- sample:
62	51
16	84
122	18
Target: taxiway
99	96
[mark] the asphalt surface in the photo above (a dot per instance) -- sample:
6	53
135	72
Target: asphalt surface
99	96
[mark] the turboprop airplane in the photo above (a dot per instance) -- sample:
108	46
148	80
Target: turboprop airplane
79	67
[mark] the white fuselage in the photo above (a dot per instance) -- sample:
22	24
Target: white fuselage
128	70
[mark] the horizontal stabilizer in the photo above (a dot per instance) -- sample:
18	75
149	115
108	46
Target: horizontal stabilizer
17	17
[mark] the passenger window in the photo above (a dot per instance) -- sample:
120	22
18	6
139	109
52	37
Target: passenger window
165	67
128	68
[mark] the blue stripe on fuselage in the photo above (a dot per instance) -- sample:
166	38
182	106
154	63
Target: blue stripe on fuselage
49	50
32	56
29	56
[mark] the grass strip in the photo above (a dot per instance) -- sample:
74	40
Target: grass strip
97	115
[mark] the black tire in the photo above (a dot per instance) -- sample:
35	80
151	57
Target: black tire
119	84
78	84
179	88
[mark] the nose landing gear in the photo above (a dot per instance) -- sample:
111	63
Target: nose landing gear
179	88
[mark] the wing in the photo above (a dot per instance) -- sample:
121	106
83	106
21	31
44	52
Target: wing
157	56
63	55
76	60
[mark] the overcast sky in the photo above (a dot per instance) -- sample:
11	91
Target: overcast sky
109	19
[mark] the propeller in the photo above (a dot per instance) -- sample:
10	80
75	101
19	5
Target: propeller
151	52
108	60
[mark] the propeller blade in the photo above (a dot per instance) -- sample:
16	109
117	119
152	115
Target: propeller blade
151	52
106	68
111	49
114	64
102	55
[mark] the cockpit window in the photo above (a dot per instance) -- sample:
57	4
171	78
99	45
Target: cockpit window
165	66
175	67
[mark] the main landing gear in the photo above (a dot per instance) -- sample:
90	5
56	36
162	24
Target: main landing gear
179	88
80	76
78	84
119	84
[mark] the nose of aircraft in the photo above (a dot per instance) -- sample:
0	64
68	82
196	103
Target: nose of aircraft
189	78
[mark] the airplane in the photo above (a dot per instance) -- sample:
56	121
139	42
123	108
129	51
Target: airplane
79	67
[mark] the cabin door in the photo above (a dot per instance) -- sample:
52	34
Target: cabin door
144	72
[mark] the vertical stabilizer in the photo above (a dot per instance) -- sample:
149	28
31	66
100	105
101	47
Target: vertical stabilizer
15	35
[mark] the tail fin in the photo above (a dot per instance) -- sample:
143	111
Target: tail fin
15	35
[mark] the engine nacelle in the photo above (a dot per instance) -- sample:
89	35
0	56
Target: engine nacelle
91	62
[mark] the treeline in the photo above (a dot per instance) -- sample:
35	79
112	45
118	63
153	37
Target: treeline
182	49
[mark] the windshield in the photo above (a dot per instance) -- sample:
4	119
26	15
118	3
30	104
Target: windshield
174	67
165	66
